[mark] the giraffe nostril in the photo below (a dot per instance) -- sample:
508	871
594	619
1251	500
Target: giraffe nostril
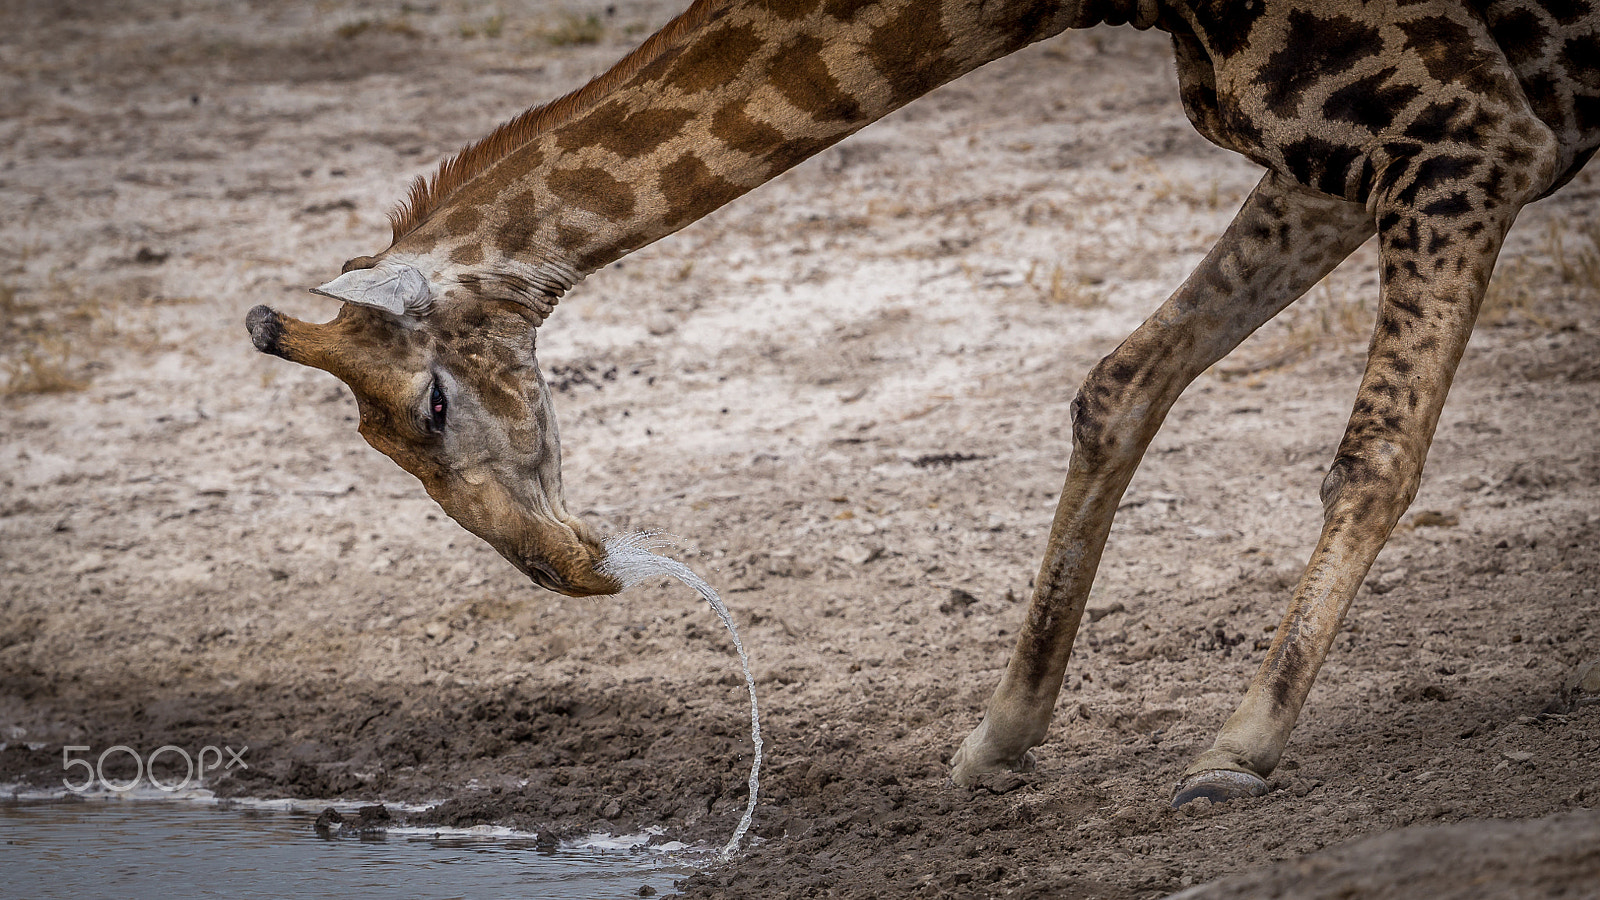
543	575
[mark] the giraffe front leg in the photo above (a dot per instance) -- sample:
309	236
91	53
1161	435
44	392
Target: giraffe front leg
1283	241
1440	227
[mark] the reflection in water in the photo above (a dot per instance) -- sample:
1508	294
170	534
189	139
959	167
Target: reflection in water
128	849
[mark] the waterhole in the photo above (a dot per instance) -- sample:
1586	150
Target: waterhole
161	850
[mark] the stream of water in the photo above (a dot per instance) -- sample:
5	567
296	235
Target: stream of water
629	560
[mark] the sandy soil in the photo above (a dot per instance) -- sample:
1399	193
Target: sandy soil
848	395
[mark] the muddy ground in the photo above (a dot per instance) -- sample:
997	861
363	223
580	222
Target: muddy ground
847	395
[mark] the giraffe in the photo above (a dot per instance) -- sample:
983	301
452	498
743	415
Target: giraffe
1427	123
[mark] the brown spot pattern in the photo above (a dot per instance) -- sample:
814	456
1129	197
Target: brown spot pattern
628	134
912	53
801	74
734	127
593	189
516	233
463	220
1317	48
691	190
713	60
846	10
790	10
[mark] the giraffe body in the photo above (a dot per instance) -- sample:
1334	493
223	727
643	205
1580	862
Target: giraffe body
1429	124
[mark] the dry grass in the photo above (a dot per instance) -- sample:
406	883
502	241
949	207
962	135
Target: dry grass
1064	288
1512	292
1580	267
42	372
491	27
351	30
574	30
1531	287
47	346
1325	318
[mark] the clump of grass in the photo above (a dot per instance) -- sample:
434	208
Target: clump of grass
351	30
574	30
1347	318
1064	288
1531	287
1324	318
1582	266
492	27
43	346
37	372
1510	294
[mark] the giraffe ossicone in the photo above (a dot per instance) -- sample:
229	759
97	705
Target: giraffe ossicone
1426	123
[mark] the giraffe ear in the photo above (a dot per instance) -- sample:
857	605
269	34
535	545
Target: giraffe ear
395	288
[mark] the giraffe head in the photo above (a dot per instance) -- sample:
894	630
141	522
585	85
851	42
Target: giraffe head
448	387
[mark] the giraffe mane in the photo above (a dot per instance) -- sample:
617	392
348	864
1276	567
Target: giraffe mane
427	195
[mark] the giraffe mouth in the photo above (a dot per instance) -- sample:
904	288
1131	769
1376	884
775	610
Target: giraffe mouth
567	565
544	575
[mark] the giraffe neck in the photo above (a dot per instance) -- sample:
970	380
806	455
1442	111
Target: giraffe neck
752	89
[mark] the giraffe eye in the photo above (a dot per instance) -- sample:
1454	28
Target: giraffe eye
437	407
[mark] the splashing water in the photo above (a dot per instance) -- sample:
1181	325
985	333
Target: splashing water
630	561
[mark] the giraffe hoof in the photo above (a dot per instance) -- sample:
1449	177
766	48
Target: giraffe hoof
1218	786
973	768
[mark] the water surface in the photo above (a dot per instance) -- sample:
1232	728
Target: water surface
132	849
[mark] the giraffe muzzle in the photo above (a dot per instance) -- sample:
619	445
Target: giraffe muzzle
584	582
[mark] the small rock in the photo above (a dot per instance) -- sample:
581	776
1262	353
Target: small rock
1096	613
1001	782
88	563
959	601
368	820
328	822
1517	755
1300	787
858	555
1429	518
1581	689
646	890
372	819
1390	580
1587	678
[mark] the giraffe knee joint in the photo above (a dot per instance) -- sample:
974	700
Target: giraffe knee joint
1098	426
1090	436
1386	473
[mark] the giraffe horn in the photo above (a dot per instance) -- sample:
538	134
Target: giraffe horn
395	288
